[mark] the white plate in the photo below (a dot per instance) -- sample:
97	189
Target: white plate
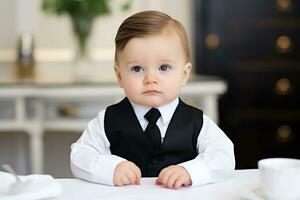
34	187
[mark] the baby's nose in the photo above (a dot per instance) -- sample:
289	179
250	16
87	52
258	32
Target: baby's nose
150	79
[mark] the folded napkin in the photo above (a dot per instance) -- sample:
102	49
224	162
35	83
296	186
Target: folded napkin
32	187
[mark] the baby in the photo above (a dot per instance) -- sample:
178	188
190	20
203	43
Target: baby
152	132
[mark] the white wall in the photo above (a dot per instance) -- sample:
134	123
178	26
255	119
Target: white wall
54	39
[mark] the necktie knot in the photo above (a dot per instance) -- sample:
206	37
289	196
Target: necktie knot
152	115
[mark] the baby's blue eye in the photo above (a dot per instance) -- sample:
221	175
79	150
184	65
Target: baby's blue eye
136	68
165	68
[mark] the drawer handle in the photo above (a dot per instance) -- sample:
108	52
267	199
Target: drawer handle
212	41
283	87
284	134
283	44
67	111
284	5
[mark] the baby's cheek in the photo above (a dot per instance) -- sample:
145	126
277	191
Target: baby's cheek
173	90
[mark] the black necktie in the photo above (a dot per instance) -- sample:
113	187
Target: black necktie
152	131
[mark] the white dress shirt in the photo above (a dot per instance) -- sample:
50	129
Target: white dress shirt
91	158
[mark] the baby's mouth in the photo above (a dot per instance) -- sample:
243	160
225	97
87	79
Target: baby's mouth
151	92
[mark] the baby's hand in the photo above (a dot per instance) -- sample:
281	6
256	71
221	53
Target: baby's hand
126	173
174	177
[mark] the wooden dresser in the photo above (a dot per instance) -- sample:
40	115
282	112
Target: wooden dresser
255	46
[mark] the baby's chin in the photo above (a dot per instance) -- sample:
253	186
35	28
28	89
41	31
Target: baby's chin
152	102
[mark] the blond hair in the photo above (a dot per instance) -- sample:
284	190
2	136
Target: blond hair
148	23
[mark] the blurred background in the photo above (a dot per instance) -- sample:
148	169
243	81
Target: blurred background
254	46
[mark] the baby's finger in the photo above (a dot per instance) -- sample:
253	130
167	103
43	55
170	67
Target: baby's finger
157	181
179	182
130	175
172	179
118	182
164	176
125	180
162	172
138	174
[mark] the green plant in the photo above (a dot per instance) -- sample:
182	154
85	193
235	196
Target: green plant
82	14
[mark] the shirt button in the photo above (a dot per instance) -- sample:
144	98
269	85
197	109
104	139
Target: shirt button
155	161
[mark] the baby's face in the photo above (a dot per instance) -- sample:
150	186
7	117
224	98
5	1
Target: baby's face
152	69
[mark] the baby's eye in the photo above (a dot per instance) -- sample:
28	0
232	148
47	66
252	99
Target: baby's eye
165	68
136	68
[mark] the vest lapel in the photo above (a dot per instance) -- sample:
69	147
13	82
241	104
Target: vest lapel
134	124
176	120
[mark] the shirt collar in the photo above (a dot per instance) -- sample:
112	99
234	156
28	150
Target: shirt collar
166	110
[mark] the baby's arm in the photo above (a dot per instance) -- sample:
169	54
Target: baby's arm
215	160
91	158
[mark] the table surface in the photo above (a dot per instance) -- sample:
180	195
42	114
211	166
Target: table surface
233	188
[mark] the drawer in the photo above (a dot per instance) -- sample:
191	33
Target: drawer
245	9
264	45
258	139
242	117
260	90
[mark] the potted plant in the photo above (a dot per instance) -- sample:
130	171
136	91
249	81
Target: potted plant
82	14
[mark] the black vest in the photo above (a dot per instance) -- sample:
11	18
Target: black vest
128	140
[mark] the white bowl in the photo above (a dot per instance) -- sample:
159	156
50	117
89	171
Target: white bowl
280	178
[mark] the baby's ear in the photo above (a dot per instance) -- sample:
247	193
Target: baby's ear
186	73
117	72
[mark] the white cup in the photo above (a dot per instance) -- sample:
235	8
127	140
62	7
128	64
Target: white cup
280	178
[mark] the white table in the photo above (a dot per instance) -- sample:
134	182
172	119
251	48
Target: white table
233	188
205	90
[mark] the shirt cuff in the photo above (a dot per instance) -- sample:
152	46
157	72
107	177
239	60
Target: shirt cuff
198	171
105	173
